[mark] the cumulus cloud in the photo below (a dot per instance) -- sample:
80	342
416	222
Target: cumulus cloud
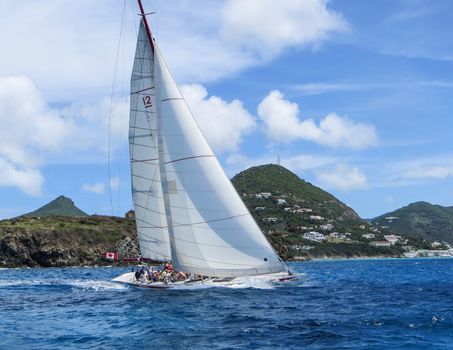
28	180
267	28
29	128
92	123
342	177
97	188
223	123
34	134
282	123
225	38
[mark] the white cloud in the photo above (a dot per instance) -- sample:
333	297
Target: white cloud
91	126
97	188
34	134
223	123
115	183
321	88
428	172
267	28
343	177
74	43
29	129
28	180
282	123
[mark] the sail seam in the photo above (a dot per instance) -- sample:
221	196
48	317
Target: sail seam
143	160
139	128
187	158
137	92
171	99
203	222
151	210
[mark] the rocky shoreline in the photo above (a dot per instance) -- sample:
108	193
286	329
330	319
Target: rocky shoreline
63	241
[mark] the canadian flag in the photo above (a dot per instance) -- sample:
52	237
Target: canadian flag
111	256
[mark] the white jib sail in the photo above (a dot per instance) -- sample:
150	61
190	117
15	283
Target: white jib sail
211	231
147	194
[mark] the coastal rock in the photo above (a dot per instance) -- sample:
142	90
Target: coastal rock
61	241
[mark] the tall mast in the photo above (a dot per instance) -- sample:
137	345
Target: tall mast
145	22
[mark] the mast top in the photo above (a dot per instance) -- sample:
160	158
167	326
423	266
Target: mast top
145	22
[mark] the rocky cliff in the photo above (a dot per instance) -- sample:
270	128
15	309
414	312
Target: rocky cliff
62	241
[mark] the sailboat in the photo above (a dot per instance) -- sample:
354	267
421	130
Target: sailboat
186	209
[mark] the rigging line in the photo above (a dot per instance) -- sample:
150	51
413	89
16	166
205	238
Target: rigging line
110	108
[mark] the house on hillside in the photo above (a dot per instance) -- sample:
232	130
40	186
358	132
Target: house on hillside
314	236
392	239
380	244
316	217
271	220
281	201
368	235
263	195
326	227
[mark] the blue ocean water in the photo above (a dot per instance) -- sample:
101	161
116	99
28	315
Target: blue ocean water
342	304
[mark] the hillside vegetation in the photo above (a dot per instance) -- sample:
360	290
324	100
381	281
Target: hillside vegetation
61	206
292	207
420	219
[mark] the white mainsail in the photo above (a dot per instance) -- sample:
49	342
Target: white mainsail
146	183
186	207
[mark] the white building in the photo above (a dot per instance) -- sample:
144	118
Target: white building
262	195
337	235
436	244
392	239
380	244
281	201
368	235
314	236
316	217
326	227
271	220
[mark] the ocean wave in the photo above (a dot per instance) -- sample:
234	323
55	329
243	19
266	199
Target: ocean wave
96	285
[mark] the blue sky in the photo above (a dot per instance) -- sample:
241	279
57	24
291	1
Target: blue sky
354	96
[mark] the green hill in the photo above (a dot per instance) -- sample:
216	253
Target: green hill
61	206
420	219
284	184
286	207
